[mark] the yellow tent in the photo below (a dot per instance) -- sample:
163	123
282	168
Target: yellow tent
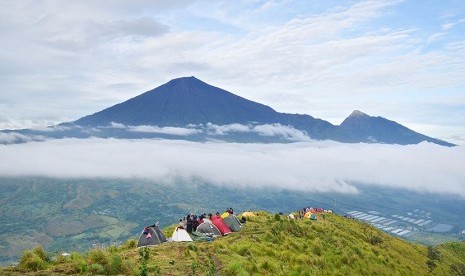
248	214
225	215
307	215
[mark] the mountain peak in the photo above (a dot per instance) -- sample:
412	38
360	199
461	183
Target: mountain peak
358	113
183	101
185	79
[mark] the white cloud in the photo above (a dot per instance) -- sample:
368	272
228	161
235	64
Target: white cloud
287	132
117	125
224	129
319	166
447	26
14	137
164	130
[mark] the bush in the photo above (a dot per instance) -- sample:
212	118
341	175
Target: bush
116	265
431	265
99	256
96	269
79	264
129	244
374	240
31	261
60	259
144	255
277	217
433	253
40	252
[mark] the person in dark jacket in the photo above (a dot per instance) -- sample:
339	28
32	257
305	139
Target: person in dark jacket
190	221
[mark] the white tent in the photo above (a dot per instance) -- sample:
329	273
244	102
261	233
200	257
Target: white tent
180	235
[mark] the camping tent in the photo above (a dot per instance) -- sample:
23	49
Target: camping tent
207	227
312	217
180	235
153	237
307	215
248	214
233	223
219	223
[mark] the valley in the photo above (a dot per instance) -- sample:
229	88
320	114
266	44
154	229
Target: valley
78	214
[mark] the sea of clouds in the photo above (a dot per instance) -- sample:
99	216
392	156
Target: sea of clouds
321	166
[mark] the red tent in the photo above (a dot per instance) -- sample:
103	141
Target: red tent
219	223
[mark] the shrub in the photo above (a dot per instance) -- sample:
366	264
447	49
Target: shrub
60	259
129	244
277	217
144	255
433	253
116	265
431	265
99	256
112	249
40	252
31	261
79	264
96	269
374	240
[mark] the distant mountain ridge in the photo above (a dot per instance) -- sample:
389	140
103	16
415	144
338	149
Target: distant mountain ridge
188	100
193	104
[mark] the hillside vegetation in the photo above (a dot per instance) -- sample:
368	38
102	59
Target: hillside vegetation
267	245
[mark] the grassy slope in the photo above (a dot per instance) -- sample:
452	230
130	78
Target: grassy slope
272	245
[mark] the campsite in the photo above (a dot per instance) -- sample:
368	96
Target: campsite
267	244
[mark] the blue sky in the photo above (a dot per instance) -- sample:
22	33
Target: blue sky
403	60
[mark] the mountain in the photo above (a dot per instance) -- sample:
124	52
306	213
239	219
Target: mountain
362	127
187	101
267	244
190	109
181	102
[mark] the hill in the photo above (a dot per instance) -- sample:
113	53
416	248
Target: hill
268	245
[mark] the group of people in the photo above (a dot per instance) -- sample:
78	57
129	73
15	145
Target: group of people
303	211
191	221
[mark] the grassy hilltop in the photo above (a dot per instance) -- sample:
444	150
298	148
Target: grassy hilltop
267	245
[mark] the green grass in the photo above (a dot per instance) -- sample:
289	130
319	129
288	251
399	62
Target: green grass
267	245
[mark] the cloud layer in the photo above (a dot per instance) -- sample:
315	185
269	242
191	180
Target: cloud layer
316	166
